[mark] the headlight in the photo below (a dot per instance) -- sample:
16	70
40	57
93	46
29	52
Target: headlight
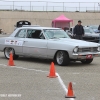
75	50
98	49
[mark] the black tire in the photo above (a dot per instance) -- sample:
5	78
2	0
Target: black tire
15	57
65	60
7	52
87	61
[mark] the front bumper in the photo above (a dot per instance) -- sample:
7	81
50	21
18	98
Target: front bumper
80	56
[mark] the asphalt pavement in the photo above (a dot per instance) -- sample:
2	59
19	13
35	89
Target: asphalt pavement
28	80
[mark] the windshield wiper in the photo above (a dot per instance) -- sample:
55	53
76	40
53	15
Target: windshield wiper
54	38
63	37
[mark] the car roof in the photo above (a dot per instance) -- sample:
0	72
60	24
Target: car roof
38	28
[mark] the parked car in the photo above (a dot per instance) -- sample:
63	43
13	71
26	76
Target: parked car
89	35
48	43
94	27
69	34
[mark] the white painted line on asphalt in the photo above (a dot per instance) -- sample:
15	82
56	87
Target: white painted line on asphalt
31	69
3	65
72	99
63	85
59	78
24	68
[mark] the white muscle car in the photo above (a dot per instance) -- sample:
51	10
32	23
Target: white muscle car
48	43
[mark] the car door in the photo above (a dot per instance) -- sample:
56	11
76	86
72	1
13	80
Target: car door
35	44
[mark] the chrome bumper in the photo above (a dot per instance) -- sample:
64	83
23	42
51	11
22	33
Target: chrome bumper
84	55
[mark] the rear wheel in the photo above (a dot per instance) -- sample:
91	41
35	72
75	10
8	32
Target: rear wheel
87	61
62	58
7	52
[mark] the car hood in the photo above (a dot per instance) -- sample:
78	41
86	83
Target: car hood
75	42
95	35
92	34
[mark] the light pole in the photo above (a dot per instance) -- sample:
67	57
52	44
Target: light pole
99	6
13	5
99	11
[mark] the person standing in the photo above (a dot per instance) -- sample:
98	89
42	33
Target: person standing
99	28
78	31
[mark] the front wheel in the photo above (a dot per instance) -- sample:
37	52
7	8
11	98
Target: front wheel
87	61
62	58
7	52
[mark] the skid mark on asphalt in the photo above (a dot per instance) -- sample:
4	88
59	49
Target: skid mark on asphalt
59	78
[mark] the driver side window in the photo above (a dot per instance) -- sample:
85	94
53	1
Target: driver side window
36	34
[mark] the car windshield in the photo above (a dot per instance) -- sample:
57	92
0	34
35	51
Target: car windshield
55	33
94	27
88	30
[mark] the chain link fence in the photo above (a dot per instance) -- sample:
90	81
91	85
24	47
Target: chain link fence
50	6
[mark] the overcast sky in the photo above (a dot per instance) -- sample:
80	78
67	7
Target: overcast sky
35	5
58	0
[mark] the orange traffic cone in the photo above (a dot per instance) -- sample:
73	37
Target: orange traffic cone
70	92
52	73
11	62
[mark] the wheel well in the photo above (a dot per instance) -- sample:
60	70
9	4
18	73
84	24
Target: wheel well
4	48
60	50
8	47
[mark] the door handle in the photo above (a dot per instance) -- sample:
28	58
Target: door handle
25	41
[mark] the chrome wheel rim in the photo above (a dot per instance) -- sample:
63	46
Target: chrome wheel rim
59	57
8	51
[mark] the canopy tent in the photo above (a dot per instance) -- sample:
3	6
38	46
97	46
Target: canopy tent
61	22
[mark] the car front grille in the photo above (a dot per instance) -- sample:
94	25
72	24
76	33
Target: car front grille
94	49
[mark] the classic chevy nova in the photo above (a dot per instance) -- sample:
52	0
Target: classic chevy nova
48	43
